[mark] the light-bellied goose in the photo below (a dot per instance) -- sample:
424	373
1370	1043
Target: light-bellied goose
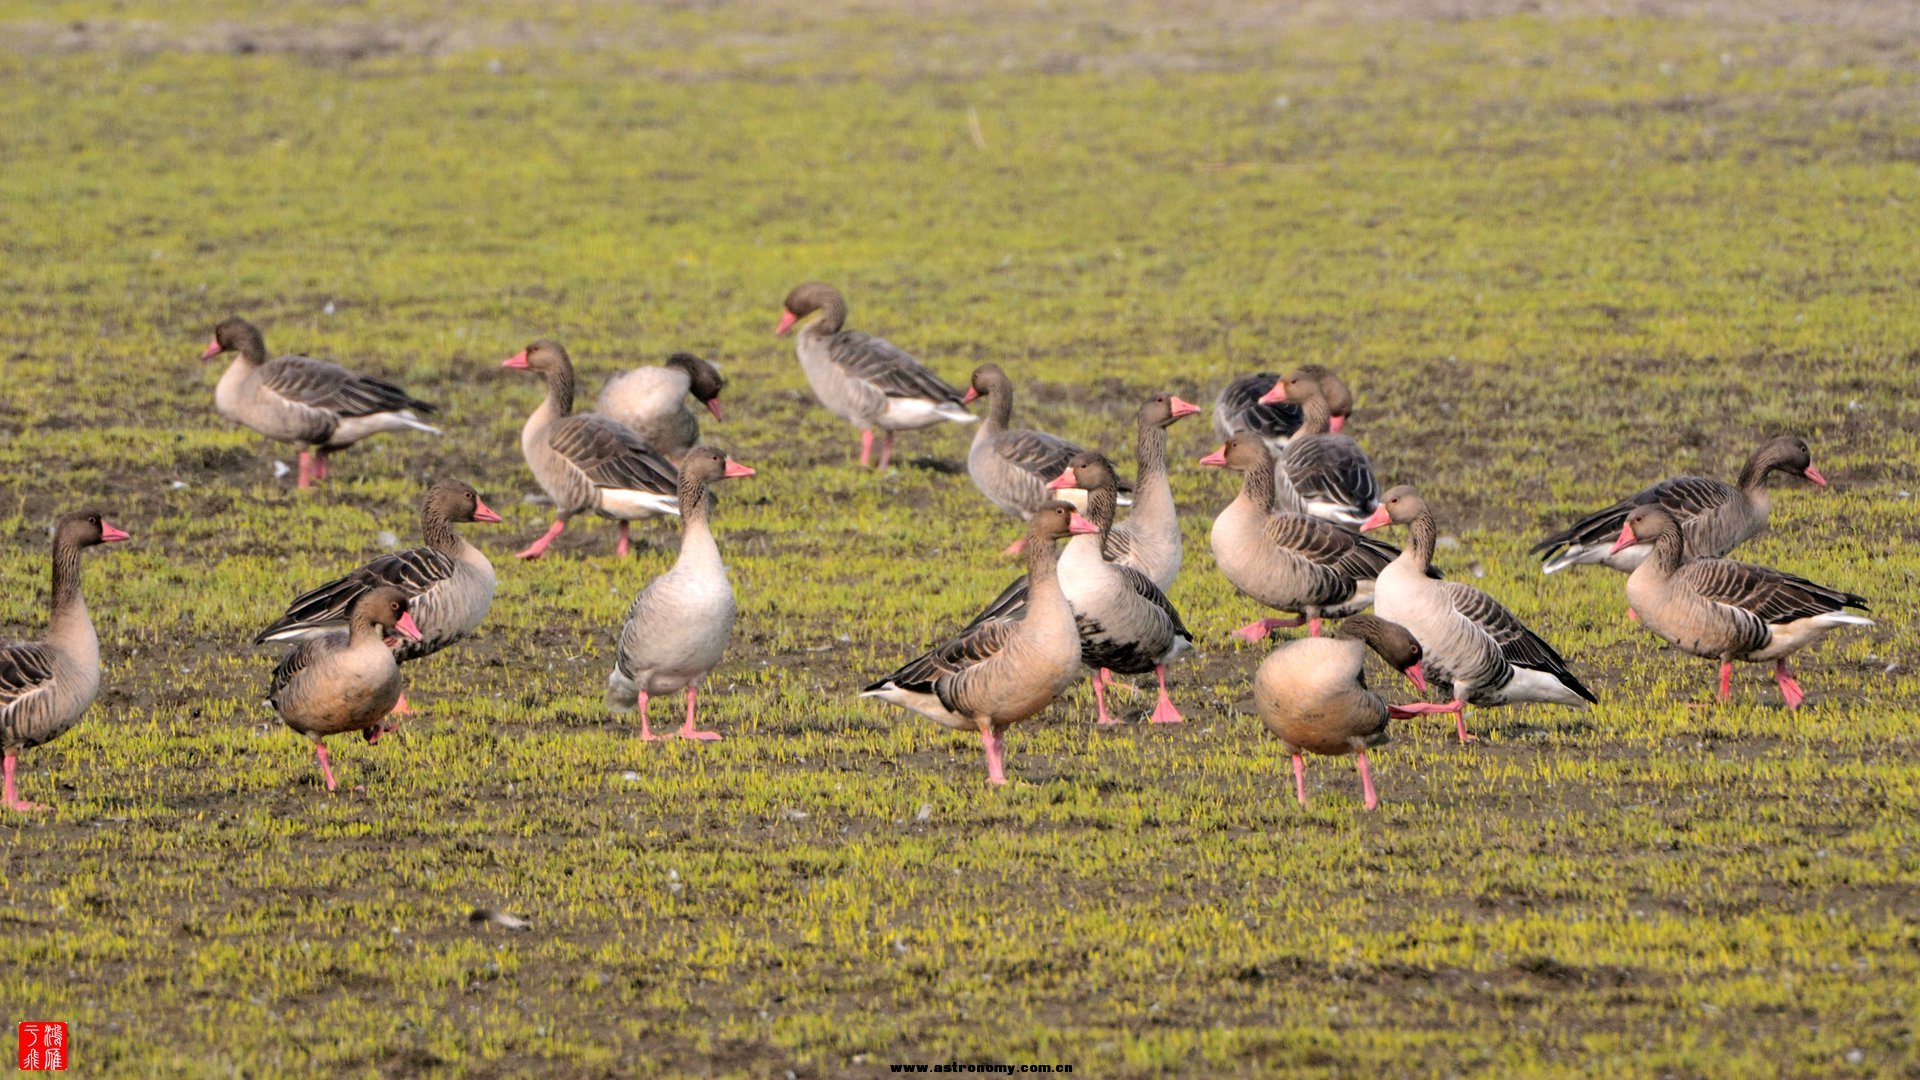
1724	610
1313	694
1316	568
587	462
298	399
45	686
1471	643
1238	407
1329	473
1149	540
448	583
653	401
864	379
1001	670
678	627
1014	467
1714	517
344	680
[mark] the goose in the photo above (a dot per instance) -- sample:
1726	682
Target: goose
1329	472
1488	656
344	680
864	379
1714	517
1238	407
678	627
653	401
46	686
1724	610
1313	694
448	583
1001	670
1149	540
1013	467
1286	559
298	399
587	462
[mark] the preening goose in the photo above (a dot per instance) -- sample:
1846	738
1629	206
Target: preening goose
653	401
864	379
46	686
1013	467
1470	642
1714	517
1725	610
344	680
587	462
1149	540
1313	694
1330	473
298	399
1238	407
999	671
678	627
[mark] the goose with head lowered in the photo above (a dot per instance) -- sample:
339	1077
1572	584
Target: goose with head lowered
1329	473
1313	693
344	680
653	401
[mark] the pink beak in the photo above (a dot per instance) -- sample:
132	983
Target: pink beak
734	468
407	626
1081	526
517	360
1218	458
1277	394
1062	482
787	319
213	349
109	534
1183	408
1378	518
1334	423
483	512
970	396
713	406
1418	676
1627	539
1813	474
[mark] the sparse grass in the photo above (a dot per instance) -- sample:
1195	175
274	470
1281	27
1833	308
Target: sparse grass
1558	258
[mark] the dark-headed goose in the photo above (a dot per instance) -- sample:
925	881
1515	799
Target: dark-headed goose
1329	472
1725	610
864	379
1013	467
1001	670
298	399
678	627
1238	407
45	686
344	680
1471	643
1313	694
1149	540
587	462
653	401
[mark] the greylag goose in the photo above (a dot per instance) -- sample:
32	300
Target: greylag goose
45	686
679	625
344	680
1001	670
298	399
1238	407
653	401
864	379
1724	610
1313	694
1329	473
1487	655
448	583
1714	517
587	462
1149	540
1290	561
1014	467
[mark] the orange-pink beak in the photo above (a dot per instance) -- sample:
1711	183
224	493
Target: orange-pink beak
483	512
1218	458
1183	408
1062	482
1418	676
517	360
1375	520
1334	423
970	396
109	534
736	469
787	319
1627	540
407	626
1813	474
1277	394
1080	526
212	350
713	406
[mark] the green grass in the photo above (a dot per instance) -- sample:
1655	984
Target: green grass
1557	258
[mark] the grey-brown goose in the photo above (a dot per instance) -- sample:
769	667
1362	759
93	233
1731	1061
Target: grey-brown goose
1290	561
1149	540
678	627
1471	643
1330	473
344	680
653	401
298	399
1714	517
1238	407
587	462
46	686
1313	694
1014	467
864	379
999	671
1724	610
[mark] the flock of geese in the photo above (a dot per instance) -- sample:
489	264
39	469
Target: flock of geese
1298	539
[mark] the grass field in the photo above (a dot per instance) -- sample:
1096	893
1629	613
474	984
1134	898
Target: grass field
1558	255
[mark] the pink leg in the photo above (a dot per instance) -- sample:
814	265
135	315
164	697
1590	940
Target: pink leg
886	449
1726	680
866	447
1100	699
688	730
1424	708
1313	626
646	733
326	767
1366	780
996	769
1632	614
9	798
1258	629
1163	710
1789	686
320	464
539	547
1015	548
306	470
401	708
620	549
1300	779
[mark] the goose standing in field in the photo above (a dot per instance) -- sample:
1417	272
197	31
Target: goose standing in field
1313	693
46	686
1013	467
448	583
1470	642
1149	540
678	627
1330	473
344	680
999	671
1714	517
1724	610
587	462
864	379
298	399
1238	407
653	401
1285	559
